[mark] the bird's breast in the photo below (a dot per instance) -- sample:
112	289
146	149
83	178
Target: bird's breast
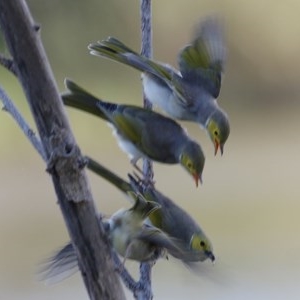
160	95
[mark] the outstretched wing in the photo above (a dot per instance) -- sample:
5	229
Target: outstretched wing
203	60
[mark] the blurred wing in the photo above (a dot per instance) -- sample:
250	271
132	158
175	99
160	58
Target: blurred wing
203	60
155	236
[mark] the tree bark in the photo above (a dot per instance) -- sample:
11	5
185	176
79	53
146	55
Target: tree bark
65	163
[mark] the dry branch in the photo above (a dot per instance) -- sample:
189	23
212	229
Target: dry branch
65	162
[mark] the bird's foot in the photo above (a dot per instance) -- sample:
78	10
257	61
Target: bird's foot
144	182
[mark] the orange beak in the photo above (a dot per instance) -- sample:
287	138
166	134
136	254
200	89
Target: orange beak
197	178
217	144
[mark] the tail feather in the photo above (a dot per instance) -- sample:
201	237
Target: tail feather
114	49
83	100
108	175
62	265
118	46
143	207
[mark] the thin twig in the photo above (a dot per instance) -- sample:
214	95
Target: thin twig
146	50
146	28
127	279
144	283
145	291
9	106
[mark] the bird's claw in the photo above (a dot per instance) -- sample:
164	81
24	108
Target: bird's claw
143	182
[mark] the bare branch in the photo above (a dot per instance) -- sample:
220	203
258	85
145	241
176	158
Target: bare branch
146	50
137	288
145	291
146	28
69	179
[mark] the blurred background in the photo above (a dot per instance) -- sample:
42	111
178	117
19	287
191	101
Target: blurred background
250	200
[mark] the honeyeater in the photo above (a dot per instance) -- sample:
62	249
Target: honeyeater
170	217
141	132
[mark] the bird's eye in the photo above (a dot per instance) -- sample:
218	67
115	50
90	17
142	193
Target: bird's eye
202	244
189	165
216	133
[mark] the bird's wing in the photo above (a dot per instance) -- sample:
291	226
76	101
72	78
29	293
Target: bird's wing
128	124
203	60
148	131
155	236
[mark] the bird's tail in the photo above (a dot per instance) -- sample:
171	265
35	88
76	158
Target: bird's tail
135	188
143	207
108	175
60	266
115	50
79	98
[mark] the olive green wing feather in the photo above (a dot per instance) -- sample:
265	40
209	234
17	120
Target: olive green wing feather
156	237
203	60
128	124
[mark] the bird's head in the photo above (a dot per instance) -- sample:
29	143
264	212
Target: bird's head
192	159
201	245
218	129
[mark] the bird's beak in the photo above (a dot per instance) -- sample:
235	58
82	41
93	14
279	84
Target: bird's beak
217	144
210	255
221	148
197	178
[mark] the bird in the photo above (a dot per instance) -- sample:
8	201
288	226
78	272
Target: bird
129	235
142	133
132	238
170	217
189	93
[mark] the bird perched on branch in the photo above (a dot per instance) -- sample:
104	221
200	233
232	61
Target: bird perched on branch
189	93
134	239
170	218
130	237
141	132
